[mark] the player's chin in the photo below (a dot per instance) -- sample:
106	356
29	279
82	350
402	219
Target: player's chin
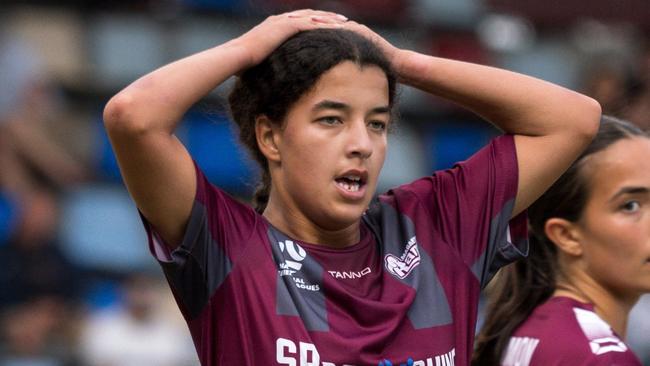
342	215
345	210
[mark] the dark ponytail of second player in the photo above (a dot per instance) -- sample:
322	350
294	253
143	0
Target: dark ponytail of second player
524	285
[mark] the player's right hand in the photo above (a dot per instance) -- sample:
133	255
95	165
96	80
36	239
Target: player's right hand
260	41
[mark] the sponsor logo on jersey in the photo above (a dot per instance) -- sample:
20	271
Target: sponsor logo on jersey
297	254
402	266
520	351
291	267
290	353
447	359
350	274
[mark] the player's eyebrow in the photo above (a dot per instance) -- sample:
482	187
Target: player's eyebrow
630	190
331	104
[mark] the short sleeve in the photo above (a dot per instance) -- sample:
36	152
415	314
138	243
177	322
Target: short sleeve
215	236
610	358
471	205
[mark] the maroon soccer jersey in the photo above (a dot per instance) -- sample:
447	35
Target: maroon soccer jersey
406	294
566	332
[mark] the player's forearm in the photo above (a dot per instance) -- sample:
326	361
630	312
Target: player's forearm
516	103
158	100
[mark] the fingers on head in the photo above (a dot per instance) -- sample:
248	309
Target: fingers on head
315	13
326	21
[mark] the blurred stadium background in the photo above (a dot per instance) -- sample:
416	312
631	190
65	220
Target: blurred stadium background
77	286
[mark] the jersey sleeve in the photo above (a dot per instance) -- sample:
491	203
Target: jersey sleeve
471	204
217	230
612	359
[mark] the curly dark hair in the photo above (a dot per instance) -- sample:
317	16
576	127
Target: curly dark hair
273	86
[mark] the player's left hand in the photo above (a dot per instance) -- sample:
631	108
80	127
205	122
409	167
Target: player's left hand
389	50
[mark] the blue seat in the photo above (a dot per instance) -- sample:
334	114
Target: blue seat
211	141
234	6
9	214
450	142
214	145
105	163
100	229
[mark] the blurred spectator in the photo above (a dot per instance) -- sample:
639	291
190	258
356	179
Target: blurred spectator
136	333
38	285
35	333
607	85
28	105
32	263
623	92
637	108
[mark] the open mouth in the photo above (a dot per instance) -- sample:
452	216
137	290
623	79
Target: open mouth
352	181
351	184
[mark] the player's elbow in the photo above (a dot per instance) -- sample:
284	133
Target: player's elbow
120	116
588	121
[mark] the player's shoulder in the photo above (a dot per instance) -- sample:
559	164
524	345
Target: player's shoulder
569	330
626	358
605	346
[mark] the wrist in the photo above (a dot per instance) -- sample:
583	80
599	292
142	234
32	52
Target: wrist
400	61
410	66
244	54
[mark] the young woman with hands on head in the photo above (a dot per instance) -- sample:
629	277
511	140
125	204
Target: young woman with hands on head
319	272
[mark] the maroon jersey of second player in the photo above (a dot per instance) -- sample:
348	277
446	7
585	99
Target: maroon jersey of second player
405	294
566	332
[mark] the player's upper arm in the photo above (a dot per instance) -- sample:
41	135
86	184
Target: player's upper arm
157	169
542	159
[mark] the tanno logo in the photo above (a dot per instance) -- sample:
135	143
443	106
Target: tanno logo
350	274
402	266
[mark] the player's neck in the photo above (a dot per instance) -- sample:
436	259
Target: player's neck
612	308
297	226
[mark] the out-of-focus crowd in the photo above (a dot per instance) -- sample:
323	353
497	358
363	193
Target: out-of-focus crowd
61	305
623	92
56	311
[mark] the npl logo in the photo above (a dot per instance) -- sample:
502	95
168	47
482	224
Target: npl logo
295	251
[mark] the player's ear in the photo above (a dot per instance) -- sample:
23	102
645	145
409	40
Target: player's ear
565	235
268	136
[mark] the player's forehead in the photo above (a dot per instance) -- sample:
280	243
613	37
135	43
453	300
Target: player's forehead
625	163
349	84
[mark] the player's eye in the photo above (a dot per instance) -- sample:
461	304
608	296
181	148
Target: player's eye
631	206
329	120
377	125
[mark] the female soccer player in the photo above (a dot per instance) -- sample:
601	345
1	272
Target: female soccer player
317	274
589	262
